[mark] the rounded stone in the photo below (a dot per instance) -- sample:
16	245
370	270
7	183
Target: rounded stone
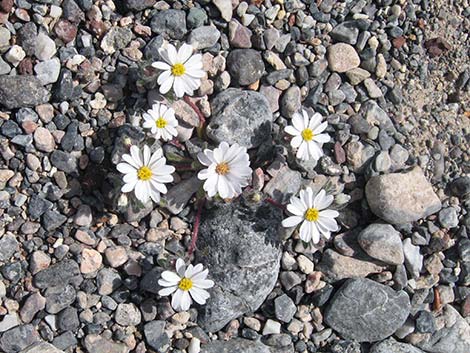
245	66
342	57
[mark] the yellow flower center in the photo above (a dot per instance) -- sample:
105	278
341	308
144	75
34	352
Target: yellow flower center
307	134
312	215
178	69
222	168
185	284
144	173
161	123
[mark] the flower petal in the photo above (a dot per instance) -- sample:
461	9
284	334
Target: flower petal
292	221
167	291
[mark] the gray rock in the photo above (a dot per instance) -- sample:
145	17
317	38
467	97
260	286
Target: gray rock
284	184
35	303
99	344
68	319
72	12
155	335
59	298
138	5
63	88
45	47
179	195
64	161
452	336
9	321
413	258
237	345
107	281
4	67
127	315
59	274
22	91
245	66
366	311
242	117
336	267
48	71
448	217
116	38
52	220
390	345
460	187
225	8
204	37
8	246
239	243
382	242
402	197
375	115
291	102
345	32
18	338
171	23
284	308
41	347
196	17
27	37
342	57
5	37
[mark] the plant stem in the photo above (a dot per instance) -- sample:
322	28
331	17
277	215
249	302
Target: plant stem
192	247
202	119
275	203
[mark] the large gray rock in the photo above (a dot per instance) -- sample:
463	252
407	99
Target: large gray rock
392	346
240	245
242	117
402	197
382	242
22	91
453	335
240	345
99	344
41	347
18	338
366	311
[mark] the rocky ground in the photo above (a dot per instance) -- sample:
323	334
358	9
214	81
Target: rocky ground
79	261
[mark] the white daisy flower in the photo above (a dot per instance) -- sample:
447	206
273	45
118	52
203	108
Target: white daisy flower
311	211
228	170
161	121
181	70
145	173
308	137
186	285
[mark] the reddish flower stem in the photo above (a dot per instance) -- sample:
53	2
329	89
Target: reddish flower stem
176	143
275	203
202	119
200	206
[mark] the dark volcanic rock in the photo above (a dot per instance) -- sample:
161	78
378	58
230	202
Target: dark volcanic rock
240	245
246	66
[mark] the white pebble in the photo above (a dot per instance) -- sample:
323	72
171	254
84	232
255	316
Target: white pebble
194	345
271	327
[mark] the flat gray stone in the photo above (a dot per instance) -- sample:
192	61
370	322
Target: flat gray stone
382	242
240	345
453	337
336	267
22	91
242	117
41	347
402	197
392	346
240	245
366	311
